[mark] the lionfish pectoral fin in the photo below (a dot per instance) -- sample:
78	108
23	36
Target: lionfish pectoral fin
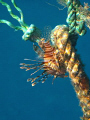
54	79
35	80
29	79
36	71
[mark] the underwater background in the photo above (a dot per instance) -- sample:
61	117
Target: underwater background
18	99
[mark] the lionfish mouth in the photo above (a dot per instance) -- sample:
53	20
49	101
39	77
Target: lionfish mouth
52	64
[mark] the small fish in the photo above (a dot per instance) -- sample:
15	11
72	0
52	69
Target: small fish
51	63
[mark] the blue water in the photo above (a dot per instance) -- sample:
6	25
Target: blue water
18	99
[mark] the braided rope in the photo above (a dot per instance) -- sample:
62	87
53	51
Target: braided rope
75	23
74	67
10	11
31	32
21	14
11	25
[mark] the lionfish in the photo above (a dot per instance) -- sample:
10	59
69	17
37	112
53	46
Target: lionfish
51	64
